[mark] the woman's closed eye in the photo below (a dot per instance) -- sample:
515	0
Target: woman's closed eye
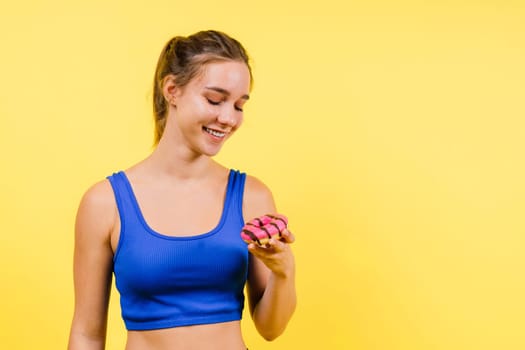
213	102
218	102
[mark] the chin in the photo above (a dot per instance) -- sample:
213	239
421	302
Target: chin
210	152
211	149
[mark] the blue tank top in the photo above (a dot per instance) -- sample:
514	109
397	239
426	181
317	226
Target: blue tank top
167	281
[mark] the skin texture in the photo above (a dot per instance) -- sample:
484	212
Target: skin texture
181	167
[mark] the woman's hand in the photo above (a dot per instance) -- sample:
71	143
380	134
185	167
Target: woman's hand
276	254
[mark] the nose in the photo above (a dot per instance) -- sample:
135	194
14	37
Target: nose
228	117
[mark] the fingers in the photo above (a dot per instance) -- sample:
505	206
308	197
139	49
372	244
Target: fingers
273	247
287	236
257	251
276	255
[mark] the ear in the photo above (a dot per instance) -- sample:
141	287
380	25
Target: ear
170	90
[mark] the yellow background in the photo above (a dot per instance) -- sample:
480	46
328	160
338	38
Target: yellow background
391	132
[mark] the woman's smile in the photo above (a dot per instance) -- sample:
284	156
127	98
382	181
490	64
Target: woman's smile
213	132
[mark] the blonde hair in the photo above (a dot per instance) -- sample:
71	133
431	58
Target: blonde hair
184	57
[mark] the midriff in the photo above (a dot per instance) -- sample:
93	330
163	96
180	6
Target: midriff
216	336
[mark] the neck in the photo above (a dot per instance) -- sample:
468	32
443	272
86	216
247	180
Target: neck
176	159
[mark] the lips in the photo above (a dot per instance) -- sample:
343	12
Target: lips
214	132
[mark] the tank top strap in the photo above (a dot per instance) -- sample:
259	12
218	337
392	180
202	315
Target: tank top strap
236	192
124	199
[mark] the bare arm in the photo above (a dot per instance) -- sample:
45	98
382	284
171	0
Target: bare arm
92	268
271	277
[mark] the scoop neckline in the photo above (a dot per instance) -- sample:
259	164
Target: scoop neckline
152	231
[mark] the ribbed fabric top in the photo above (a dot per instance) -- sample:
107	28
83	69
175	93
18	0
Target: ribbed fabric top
167	281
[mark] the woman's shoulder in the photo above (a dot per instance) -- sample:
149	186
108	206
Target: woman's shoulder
258	198
97	206
256	187
99	194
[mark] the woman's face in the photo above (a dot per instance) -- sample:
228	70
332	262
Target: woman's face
209	108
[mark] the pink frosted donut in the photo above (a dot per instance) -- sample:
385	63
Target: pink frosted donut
261	229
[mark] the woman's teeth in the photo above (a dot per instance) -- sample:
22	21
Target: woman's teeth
214	132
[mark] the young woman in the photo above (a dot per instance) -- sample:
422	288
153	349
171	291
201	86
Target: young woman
169	227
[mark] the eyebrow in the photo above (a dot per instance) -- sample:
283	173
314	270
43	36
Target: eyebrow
225	92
